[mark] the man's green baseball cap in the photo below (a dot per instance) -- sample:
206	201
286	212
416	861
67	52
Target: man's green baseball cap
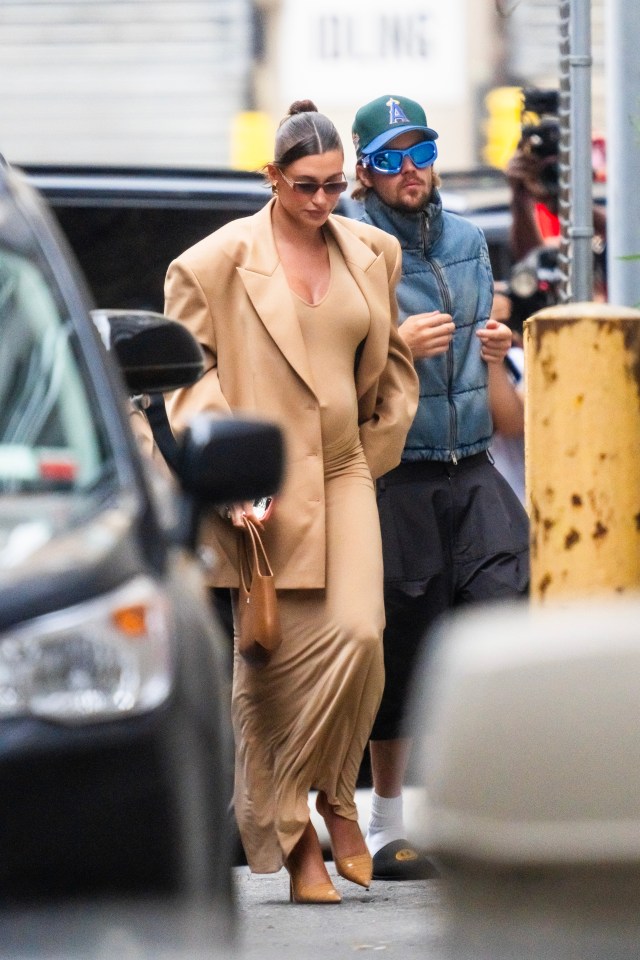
385	118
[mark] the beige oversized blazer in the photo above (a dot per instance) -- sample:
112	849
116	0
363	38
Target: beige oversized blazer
231	292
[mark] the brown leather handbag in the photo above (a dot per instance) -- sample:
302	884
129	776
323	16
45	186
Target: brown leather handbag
259	632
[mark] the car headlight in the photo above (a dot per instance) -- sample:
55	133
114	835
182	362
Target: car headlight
100	660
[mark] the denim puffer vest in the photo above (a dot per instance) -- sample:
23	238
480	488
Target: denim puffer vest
445	266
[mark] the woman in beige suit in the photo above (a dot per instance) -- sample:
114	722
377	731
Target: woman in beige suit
296	312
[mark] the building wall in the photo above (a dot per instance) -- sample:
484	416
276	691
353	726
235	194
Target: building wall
342	53
122	81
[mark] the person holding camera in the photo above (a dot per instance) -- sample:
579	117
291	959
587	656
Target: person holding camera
453	531
533	175
295	310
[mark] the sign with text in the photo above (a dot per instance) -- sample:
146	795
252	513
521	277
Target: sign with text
351	52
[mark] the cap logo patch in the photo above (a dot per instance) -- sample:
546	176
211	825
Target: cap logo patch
396	113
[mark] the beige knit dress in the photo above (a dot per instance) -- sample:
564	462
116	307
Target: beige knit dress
303	721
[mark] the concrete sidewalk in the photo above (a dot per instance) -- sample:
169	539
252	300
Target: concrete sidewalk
395	920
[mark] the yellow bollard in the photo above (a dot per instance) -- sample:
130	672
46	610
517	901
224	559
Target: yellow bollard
582	443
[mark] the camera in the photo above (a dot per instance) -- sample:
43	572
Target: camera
542	102
534	283
542	139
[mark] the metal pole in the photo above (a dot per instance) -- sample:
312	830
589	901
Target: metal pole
564	153
623	151
581	229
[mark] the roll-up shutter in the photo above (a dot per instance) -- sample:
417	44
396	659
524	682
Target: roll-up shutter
122	81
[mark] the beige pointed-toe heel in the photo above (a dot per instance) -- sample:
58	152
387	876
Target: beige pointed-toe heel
308	853
358	869
313	892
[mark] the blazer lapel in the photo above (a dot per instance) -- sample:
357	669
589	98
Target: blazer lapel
267	288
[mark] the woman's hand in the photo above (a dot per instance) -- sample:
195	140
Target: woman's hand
237	511
259	511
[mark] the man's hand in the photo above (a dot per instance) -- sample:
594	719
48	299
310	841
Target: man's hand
525	173
427	334
495	340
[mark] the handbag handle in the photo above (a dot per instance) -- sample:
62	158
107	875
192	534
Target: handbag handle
259	630
254	554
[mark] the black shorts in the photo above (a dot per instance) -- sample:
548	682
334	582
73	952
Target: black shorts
451	535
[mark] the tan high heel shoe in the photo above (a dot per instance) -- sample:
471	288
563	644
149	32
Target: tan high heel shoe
313	892
319	890
357	868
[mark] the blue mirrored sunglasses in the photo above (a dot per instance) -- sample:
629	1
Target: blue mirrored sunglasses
421	154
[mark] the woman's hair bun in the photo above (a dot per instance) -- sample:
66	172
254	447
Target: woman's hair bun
302	106
304	132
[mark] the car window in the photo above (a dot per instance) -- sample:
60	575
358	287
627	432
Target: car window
124	251
54	453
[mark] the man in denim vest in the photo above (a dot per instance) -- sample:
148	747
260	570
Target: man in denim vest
453	531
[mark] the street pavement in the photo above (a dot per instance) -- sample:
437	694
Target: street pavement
403	921
472	916
391	919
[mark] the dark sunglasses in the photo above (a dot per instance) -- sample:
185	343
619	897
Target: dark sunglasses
421	154
310	187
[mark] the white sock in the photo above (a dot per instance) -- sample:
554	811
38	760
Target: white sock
386	822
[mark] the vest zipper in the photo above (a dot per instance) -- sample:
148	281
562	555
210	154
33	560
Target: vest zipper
448	308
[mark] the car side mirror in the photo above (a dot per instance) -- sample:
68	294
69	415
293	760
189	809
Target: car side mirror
217	459
154	353
225	459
